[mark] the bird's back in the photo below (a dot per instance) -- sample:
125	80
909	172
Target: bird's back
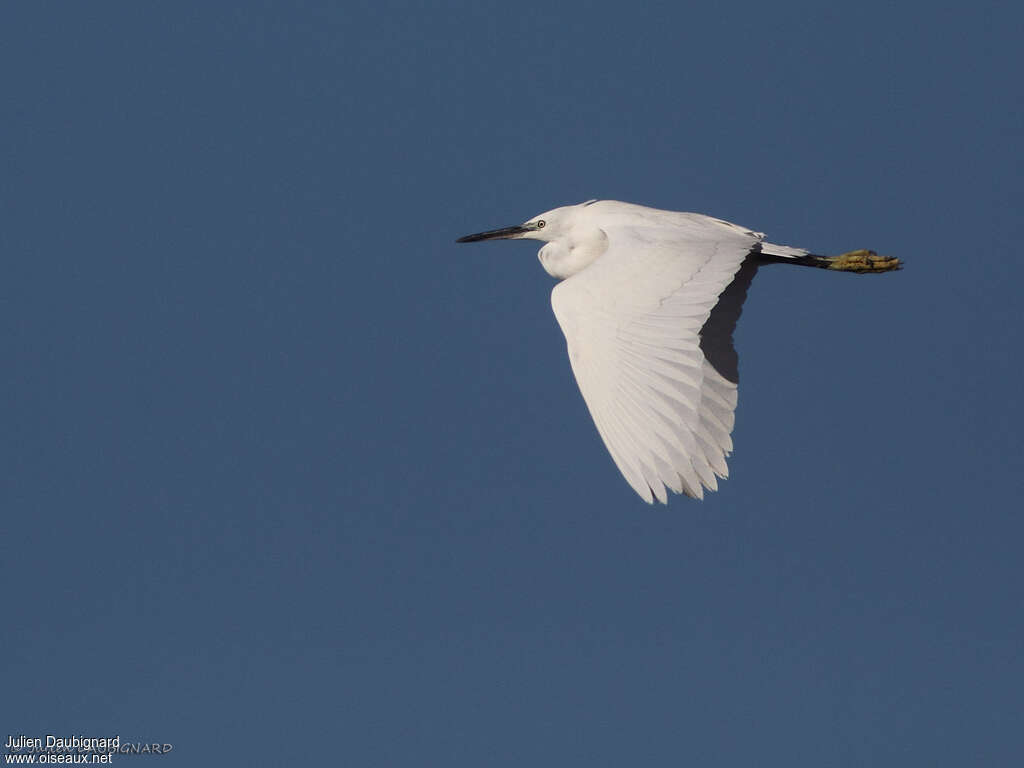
610	214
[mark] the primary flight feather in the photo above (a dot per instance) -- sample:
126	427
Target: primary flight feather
648	300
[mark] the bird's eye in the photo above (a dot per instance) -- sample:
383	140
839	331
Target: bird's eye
540	223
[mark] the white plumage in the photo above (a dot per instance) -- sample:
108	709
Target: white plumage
637	287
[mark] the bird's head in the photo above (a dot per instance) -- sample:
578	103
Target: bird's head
546	226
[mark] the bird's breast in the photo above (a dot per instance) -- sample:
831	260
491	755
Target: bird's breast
565	257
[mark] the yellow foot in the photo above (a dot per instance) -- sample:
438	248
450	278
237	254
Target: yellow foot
863	261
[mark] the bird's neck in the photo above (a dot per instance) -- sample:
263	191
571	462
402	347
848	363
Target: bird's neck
565	257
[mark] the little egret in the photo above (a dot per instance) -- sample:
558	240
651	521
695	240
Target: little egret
648	301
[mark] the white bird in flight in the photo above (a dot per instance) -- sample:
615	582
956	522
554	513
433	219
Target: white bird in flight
648	301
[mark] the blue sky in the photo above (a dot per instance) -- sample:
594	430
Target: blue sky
287	473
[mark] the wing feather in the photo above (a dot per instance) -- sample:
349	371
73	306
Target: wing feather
631	321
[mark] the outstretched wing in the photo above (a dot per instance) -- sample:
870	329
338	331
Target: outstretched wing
632	321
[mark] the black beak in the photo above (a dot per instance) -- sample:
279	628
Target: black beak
494	234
